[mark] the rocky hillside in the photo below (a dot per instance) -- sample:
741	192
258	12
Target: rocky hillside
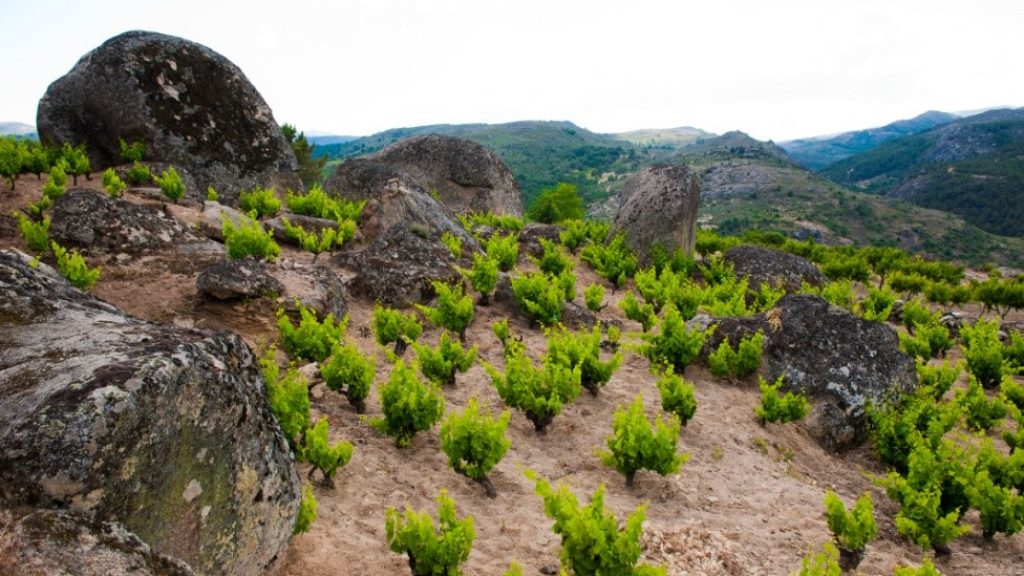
973	167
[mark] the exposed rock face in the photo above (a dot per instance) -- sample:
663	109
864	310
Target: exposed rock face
236	279
89	219
364	178
317	288
191	107
841	361
398	267
762	265
659	206
63	542
397	205
530	237
211	220
162	429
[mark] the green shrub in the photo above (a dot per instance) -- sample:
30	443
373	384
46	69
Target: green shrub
678	261
1000	295
574	234
766	297
847	268
504	250
72	266
483	277
170	184
312	339
440	364
56	182
853	529
583	350
981	412
1013	351
540	295
612	261
211	194
677	396
877	307
638	312
319	204
454	309
35	234
776	407
138	174
311	241
1001	509
840	293
592	542
926	569
1013	392
475	442
725	362
920	520
593	296
263	201
539	393
935	381
409	405
390	325
908	283
37	209
11	159
288	397
132	152
113	184
915	346
554	205
715	270
348	370
454	244
506	222
636	444
554	260
897	429
674	345
984	352
824	563
307	511
915	312
432	550
321	454
248	239
709	242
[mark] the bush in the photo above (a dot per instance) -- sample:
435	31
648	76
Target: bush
840	293
409	405
132	152
675	345
592	542
390	325
583	350
715	270
853	529
981	412
35	210
248	239
138	174
824	563
35	234
312	339
432	550
307	511
935	381
915	312
506	222
1013	392
896	430
319	204
441	363
318	451
554	260
454	309
554	205
637	445
454	244
776	407
475	442
56	182
483	277
348	370
113	184
638	312
310	241
1001	509
263	201
73	267
211	194
504	250
725	362
926	569
170	184
877	307
288	397
841	267
984	352
677	396
593	296
1000	295
678	261
540	295
612	261
538	392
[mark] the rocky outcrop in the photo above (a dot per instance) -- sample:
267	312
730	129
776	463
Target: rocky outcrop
530	237
841	361
211	219
398	267
164	430
761	265
236	279
363	178
399	206
89	219
64	542
659	206
317	288
190	106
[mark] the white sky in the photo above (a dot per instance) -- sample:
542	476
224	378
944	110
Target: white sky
776	69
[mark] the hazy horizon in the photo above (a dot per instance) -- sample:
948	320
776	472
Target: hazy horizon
793	69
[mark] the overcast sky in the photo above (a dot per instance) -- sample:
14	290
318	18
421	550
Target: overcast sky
776	69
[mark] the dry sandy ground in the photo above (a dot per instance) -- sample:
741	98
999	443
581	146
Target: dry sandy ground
748	502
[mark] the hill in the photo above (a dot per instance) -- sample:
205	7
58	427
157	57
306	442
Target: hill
18	129
820	151
665	138
973	167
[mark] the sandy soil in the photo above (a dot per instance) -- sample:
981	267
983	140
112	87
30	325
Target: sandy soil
748	502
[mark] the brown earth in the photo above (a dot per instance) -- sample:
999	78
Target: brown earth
748	502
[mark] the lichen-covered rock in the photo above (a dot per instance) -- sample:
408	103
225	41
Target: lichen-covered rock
762	265
841	361
211	219
659	206
397	205
530	237
317	288
467	176
236	279
363	178
163	429
89	219
398	267
190	106
65	542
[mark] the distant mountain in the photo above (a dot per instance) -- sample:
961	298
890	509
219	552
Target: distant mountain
818	152
17	129
973	167
667	137
321	139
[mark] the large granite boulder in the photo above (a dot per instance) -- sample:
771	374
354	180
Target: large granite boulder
190	106
760	265
236	279
164	430
363	178
64	542
397	205
659	207
841	361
